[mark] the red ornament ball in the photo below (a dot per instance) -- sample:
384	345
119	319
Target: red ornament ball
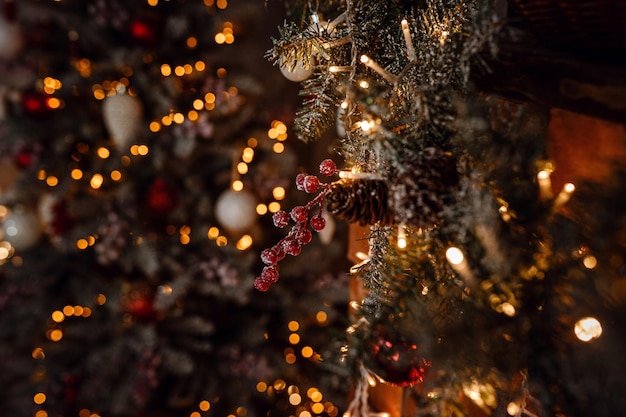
396	361
141	307
161	197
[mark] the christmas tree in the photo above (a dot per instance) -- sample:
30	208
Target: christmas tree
144	147
491	253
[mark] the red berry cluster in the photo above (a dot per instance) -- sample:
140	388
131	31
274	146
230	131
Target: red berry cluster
303	218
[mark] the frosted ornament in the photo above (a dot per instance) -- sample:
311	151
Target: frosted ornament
11	40
21	229
122	114
236	210
296	73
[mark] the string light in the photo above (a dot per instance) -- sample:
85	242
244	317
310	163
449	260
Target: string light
545	185
587	329
410	49
563	196
368	62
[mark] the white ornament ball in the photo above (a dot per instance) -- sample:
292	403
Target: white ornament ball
10	39
21	229
236	210
122	114
299	71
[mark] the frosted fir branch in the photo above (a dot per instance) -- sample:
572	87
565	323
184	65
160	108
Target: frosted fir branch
319	107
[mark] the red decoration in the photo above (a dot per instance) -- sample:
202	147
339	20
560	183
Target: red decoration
395	360
35	103
62	221
24	159
161	197
141	306
144	31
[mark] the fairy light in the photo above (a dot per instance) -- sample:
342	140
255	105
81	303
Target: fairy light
237	185
587	329
401	237
545	185
340	68
410	49
564	196
457	260
245	242
261	209
370	63
513	408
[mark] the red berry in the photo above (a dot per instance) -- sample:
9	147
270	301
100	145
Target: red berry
300	181
304	236
280	218
269	257
261	284
280	252
292	247
311	183
318	223
299	214
328	167
270	274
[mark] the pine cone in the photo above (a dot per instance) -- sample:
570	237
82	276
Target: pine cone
360	200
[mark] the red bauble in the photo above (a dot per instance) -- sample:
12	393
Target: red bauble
141	307
395	360
161	197
24	159
35	103
144	31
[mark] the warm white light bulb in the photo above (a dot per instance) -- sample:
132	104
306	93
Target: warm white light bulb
455	255
588	328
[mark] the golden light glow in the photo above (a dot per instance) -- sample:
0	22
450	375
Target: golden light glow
221	241
261	209
304	413
41	174
184	239
242	168
247	154
307	351
278	147
142	150
58	316
274	206
321	317
253	143
53	103
293	325
101	299
508	309
55	335
195	414
116	175
209	98
76	174
193	115
96	181
39	398
261	386
220	38
294	338
213	233
513	408
38	353
166	70
179	70
295	399
280	385
278	193
315	395
455	256
52	181
103	152
317	408
290	358
200	66
41	413
588	328
221	4
82	244
364	84
192	42
179	118
68	310
244	242
237	185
